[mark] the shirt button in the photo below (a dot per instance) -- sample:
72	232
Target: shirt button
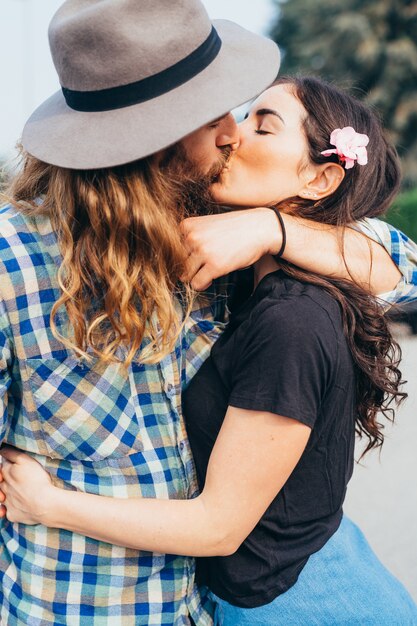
170	390
182	445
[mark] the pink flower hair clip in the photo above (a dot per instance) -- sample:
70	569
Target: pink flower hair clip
350	146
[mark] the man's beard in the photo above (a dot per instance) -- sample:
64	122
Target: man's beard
194	194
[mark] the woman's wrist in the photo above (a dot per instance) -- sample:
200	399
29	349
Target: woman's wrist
271	231
280	219
53	508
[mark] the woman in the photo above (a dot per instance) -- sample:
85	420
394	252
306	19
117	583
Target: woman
272	413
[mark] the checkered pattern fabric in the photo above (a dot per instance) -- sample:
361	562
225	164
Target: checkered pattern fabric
404	254
95	429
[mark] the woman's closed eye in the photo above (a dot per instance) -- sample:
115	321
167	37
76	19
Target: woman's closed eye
259	131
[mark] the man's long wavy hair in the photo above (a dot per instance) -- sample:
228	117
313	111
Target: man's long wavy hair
122	255
366	191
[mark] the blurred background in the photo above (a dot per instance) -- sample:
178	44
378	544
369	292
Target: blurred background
369	46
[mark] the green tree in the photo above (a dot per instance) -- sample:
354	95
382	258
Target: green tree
403	213
369	45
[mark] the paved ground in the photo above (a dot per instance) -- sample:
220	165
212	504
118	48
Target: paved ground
382	495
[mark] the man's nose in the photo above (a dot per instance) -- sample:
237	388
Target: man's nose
228	133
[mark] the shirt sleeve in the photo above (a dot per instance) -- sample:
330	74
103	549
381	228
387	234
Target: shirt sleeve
286	361
6	359
201	329
403	252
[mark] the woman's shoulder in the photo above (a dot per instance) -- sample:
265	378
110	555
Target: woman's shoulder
289	343
284	298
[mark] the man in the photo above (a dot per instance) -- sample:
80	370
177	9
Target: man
136	78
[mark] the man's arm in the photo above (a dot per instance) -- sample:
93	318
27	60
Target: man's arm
222	243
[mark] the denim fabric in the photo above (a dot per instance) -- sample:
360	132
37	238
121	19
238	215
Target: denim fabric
342	584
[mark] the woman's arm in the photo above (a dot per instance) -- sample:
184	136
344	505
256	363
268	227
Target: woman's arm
219	244
252	459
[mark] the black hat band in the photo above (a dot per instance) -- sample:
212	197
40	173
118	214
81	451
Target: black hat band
150	87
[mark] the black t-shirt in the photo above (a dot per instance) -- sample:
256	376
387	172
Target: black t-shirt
284	352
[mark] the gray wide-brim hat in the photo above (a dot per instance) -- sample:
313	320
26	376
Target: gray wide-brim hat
138	76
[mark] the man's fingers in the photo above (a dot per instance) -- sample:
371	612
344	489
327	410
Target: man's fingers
11	454
2	496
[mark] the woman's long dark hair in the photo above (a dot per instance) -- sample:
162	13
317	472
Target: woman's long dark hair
366	191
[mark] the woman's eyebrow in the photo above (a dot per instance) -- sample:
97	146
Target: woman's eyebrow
261	112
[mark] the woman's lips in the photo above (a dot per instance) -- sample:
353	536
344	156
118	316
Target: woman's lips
226	168
217	178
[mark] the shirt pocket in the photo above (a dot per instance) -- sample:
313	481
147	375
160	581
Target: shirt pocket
84	412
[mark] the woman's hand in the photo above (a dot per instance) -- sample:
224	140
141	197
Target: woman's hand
26	488
220	244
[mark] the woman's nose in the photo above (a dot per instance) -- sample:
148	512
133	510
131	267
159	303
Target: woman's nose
242	130
228	133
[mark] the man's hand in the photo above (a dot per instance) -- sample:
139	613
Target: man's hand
219	244
26	488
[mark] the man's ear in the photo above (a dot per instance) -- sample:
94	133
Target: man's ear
327	179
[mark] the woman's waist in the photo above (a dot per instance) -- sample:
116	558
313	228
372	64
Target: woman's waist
268	562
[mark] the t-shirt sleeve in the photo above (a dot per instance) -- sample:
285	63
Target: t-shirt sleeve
286	360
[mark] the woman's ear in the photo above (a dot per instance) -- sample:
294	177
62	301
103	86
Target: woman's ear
327	179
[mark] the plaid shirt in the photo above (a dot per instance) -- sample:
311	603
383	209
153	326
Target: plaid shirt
98	430
404	254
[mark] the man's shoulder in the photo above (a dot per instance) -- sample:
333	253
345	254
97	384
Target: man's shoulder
28	249
10	216
18	230
13	222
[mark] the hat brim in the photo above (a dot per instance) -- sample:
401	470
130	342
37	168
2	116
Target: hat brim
245	66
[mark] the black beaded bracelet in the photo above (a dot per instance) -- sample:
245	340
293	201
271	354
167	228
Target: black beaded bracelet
283	231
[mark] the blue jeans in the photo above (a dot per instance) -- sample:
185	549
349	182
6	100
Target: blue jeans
342	584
